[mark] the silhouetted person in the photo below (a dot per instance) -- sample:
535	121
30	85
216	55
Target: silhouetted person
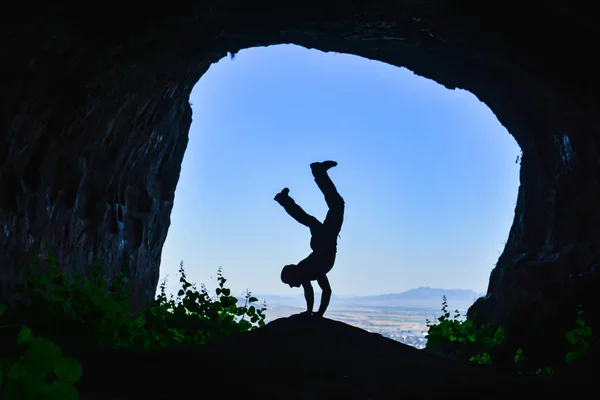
323	241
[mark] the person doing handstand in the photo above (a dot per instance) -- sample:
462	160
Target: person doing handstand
323	240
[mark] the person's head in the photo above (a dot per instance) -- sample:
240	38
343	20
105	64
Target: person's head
291	275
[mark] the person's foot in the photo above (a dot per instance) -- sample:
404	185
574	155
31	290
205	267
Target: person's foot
322	166
281	194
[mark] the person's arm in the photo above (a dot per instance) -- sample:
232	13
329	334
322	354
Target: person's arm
309	295
325	296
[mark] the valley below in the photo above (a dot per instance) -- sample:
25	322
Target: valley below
398	316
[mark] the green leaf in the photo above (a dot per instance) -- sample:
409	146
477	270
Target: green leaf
2	309
499	336
32	384
155	311
572	337
17	370
68	370
471	337
41	356
587	331
252	299
571	356
60	391
586	345
25	335
111	306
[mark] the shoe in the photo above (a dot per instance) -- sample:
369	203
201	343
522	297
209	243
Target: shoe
322	166
279	196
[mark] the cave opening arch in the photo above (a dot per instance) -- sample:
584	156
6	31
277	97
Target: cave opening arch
436	160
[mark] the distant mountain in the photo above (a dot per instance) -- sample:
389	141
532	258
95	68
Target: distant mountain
424	297
421	297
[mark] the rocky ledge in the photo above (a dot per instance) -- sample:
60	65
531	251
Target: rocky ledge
296	358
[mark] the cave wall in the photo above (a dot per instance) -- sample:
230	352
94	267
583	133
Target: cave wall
95	120
79	195
93	144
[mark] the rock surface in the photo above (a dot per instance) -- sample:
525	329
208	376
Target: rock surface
95	118
294	358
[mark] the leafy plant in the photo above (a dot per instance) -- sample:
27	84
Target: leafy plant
519	357
78	310
544	372
482	359
449	329
89	312
82	312
578	338
38	371
452	330
195	317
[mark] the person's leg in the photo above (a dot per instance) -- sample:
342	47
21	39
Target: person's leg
295	211
335	202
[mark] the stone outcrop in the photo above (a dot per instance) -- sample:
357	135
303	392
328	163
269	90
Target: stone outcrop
95	118
297	358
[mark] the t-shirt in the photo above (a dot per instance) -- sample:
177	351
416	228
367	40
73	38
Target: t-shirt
317	264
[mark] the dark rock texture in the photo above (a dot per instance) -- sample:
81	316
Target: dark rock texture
296	358
95	117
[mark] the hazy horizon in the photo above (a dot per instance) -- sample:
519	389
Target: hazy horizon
301	294
428	175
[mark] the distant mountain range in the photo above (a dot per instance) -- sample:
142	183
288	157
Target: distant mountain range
421	297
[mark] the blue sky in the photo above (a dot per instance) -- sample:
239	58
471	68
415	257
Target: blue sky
428	175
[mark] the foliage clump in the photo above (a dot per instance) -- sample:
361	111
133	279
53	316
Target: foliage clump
481	342
453	330
37	369
194	317
578	338
90	312
75	312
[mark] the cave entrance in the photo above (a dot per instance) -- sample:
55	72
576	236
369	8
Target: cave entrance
429	175
97	117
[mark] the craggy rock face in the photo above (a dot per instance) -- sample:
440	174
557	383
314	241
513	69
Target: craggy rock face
95	118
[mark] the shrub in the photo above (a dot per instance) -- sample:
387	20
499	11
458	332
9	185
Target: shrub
578	338
453	330
194	317
77	312
37	370
87	312
463	334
